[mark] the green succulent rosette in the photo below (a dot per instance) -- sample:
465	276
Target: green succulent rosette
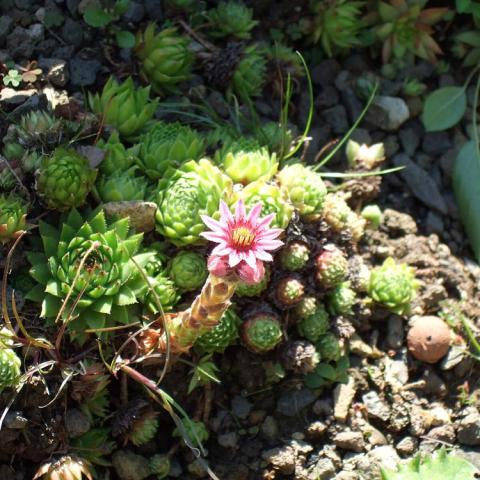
262	332
10	365
341	218
244	161
166	60
306	307
306	189
168	145
37	128
121	187
254	289
65	179
250	74
124	107
165	292
185	194
117	158
332	266
220	136
231	19
222	335
313	326
196	432
328	347
273	199
102	289
294	256
342	299
393	285
160	465
13	217
188	270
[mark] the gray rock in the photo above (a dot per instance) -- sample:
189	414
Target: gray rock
154	10
395	332
468	430
241	407
328	97
33	102
454	357
324	469
343	81
396	372
434	385
421	183
407	446
347	476
6	25
135	12
434	223
444	433
55	69
369	465
72	32
316	430
15	420
342	399
77	423
398	224
436	143
374	436
11	96
24	4
447	160
130	466
376	408
292	402
325	72
352	441
323	407
282	459
420	421
352	104
20	44
228	440
336	117
409	139
84	72
36	32
142	214
388	113
269	429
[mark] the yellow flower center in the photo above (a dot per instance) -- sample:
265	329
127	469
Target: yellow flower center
243	237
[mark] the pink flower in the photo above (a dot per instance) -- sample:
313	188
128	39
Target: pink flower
244	241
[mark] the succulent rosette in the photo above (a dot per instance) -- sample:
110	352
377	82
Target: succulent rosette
117	158
10	365
262	332
121	187
340	217
231	19
393	285
332	266
123	106
65	179
166	60
244	161
160	465
313	326
274	200
294	256
168	145
165	293
222	335
328	347
188	270
184	195
92	262
342	299
306	189
254	289
13	215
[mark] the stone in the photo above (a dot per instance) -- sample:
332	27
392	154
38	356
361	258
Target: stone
434	223
76	423
84	72
436	143
55	70
434	384
316	430
228	440
343	396
130	466
374	436
33	102
328	97
36	32
352	441
468	430
368	466
11	96
398	224
135	12
407	445
324	469
420	183
353	105
269	429
395	332
377	409
444	433
336	117
72	32
420	421
323	407
325	72
292	402
396	372
15	420
20	44
346	476
454	357
388	113
440	415
409	139
154	10
142	214
241	407
282	459
6	25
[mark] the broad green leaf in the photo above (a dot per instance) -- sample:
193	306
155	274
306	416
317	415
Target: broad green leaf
466	186
126	296
314	381
50	306
444	108
103	305
36	294
462	6
327	371
95	319
125	39
97	17
472	38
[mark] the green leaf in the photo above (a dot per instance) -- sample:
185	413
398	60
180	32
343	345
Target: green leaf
326	371
121	6
466	186
50	306
314	381
54	288
94	319
444	108
125	39
462	6
49	236
98	222
121	314
103	305
36	294
126	296
97	17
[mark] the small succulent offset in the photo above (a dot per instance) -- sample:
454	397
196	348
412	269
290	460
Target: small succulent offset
13	215
117	158
160	465
341	299
332	266
362	156
289	291
188	270
393	285
305	188
262	332
168	145
64	179
254	290
231	18
328	347
124	107
313	326
405	27
336	24
123	186
196	432
439	466
10	363
92	260
244	161
222	335
164	291
184	195
166	58
294	256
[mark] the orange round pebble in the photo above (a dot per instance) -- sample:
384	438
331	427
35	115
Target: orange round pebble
429	339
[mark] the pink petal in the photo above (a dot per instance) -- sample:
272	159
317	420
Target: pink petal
251	275
250	259
225	212
222	249
269	244
254	214
265	222
214	236
269	234
234	258
240	210
263	255
213	224
218	266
